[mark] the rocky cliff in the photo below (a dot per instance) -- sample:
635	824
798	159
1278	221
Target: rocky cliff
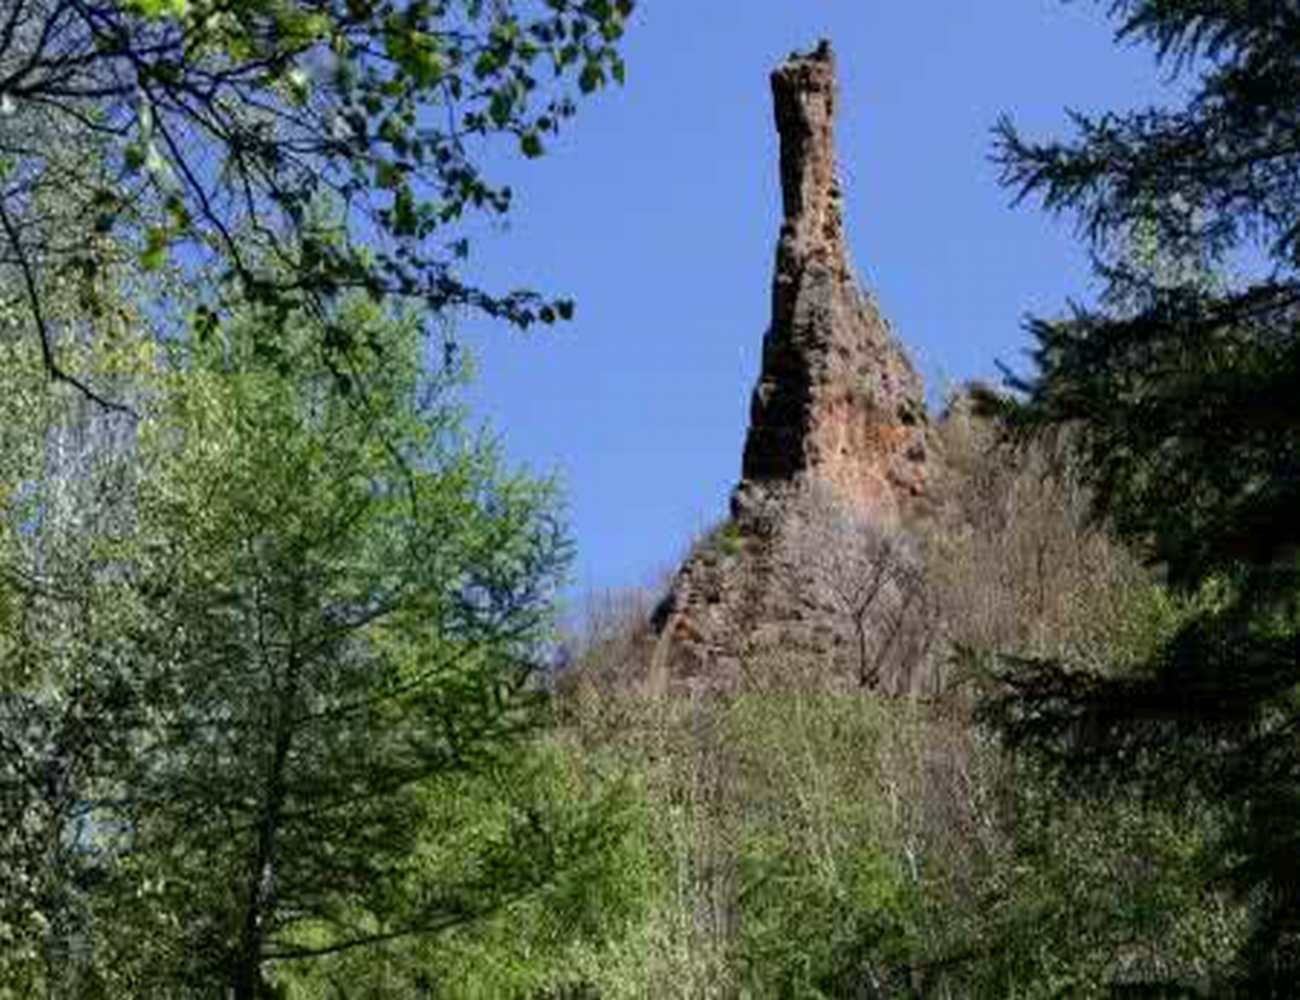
837	460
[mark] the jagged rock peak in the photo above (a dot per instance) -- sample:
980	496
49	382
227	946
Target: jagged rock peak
838	453
837	400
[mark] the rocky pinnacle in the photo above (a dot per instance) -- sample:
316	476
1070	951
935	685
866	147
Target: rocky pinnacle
837	418
837	400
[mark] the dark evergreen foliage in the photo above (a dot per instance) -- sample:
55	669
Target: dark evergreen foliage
1182	391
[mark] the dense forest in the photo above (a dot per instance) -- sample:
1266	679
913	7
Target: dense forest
287	708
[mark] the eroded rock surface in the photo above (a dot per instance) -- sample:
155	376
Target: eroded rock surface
838	412
837	399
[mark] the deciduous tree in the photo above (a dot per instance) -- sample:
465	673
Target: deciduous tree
208	129
313	611
866	574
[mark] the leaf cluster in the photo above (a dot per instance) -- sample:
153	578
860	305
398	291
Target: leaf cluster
211	130
253	636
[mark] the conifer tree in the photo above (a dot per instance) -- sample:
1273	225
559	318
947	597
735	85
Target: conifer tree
1180	391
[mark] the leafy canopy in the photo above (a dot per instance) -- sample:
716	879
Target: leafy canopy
208	129
261	638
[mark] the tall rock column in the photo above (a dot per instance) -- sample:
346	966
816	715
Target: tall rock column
837	400
838	413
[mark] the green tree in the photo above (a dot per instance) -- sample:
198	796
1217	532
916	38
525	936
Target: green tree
207	129
572	930
1180	394
64	469
314	611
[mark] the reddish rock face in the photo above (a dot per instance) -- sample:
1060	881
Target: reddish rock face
838	415
837	400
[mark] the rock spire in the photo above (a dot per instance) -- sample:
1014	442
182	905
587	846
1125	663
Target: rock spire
837	400
838	413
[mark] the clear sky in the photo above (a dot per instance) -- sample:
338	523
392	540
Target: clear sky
658	212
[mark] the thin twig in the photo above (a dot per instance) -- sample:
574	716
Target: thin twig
52	367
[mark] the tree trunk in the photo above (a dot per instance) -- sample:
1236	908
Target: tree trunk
860	627
261	885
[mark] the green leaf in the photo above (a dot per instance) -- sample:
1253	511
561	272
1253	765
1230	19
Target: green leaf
133	157
592	76
204	322
157	9
486	65
405	221
154	255
387	175
501	106
530	144
179	213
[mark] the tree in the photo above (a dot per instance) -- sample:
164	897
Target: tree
317	613
1180	394
866	574
214	130
64	466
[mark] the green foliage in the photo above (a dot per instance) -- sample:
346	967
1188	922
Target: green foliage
801	841
888	850
261	638
827	905
787	840
724	538
1095	895
358	615
63	475
554	938
1179	392
207	130
828	846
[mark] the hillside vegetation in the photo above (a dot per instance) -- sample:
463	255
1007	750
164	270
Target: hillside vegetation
798	839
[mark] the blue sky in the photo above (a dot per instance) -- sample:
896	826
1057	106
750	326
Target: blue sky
658	212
